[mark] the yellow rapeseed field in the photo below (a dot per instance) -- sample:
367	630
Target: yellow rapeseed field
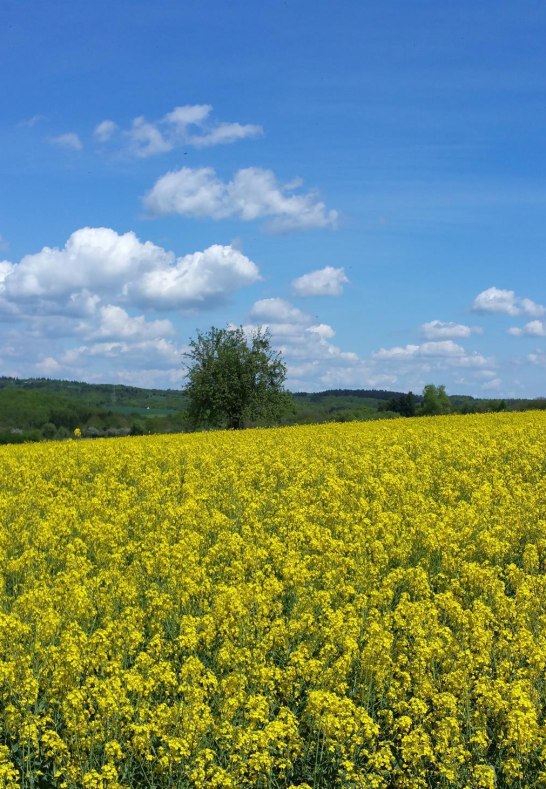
358	605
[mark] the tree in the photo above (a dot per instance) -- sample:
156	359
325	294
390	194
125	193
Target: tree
232	378
403	404
435	400
408	404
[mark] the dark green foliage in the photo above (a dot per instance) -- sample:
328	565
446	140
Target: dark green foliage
26	406
37	409
49	430
435	401
233	380
404	404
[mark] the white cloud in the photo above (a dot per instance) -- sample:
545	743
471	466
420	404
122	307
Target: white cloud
538	358
114	323
188	115
326	281
86	293
531	308
48	366
436	329
445	352
6	268
253	193
226	133
104	130
195	280
145	353
99	263
532	329
313	362
505	301
277	311
443	349
97	259
323	330
187	125
70	141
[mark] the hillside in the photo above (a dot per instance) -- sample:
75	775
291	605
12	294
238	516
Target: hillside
41	408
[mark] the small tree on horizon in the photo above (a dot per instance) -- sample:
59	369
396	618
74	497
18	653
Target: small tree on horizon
233	378
435	400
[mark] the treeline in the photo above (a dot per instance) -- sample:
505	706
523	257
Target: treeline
43	409
435	401
46	410
378	394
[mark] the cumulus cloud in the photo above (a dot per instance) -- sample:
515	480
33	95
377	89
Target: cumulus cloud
326	281
253	193
505	301
96	293
532	329
313	361
160	352
187	125
6	269
323	330
115	323
188	115
98	263
436	329
96	259
277	311
70	141
195	280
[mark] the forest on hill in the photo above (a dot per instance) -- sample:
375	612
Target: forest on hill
40	409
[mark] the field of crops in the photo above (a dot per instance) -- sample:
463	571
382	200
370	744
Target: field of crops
358	605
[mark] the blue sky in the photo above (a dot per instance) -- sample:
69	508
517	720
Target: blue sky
366	179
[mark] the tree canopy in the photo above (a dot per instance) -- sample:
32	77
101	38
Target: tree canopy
233	378
435	400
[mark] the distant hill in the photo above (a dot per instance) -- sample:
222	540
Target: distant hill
35	409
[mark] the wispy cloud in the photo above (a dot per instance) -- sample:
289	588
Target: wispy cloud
70	141
538	358
104	130
187	125
33	120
